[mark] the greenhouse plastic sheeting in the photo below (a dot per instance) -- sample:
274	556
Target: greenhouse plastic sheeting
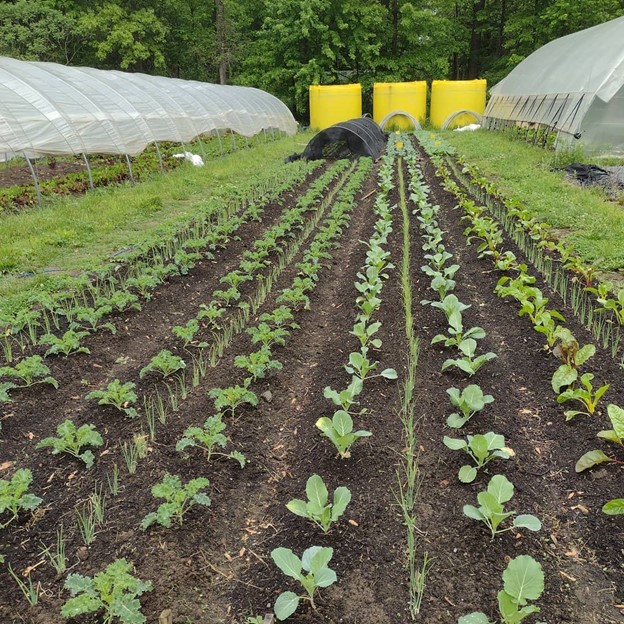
50	109
574	85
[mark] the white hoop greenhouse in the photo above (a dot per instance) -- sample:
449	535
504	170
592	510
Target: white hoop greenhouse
573	86
53	110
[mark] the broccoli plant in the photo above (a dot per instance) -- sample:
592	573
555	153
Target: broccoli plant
523	581
482	449
119	395
178	500
207	438
469	401
29	371
113	592
72	440
318	508
164	363
14	495
491	510
315	562
340	431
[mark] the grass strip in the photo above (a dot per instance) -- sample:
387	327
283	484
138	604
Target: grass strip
584	217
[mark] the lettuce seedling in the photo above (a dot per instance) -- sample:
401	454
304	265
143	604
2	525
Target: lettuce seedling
314	561
119	395
585	396
469	363
72	439
29	371
178	500
482	449
340	431
491	508
113	591
164	363
207	438
14	495
318	508
523	580
469	401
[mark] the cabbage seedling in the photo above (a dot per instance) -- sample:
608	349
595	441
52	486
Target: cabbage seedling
72	439
523	580
491	509
318	508
340	431
360	365
482	449
345	398
314	561
469	401
469	363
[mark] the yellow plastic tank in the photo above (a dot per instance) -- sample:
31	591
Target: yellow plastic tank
330	104
451	96
407	97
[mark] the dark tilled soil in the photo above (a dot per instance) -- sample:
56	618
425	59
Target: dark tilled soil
216	567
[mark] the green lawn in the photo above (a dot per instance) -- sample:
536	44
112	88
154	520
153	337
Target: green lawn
584	217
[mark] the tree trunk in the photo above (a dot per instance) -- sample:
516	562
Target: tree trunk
221	41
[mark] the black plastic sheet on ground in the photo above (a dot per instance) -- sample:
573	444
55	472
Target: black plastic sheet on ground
356	137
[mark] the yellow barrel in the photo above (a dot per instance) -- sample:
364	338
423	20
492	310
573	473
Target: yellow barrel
407	97
450	96
330	104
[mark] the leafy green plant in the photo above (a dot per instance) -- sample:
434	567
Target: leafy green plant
585	396
491	509
364	333
227	296
280	317
257	363
207	438
113	592
361	366
178	500
469	363
345	398
523	581
616	416
211	313
29	371
119	395
67	345
318	508
267	335
164	363
340	431
614	507
468	401
187	332
482	449
568	350
72	440
92	317
14	495
315	562
228	399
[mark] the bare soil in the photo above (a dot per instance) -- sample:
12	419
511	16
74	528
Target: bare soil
216	567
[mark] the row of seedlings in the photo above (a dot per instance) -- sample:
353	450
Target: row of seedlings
82	305
75	441
568	382
513	598
312	570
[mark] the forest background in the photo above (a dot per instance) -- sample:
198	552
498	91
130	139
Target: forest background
283	46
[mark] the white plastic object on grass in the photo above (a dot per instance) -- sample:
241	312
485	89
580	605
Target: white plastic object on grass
197	160
468	128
